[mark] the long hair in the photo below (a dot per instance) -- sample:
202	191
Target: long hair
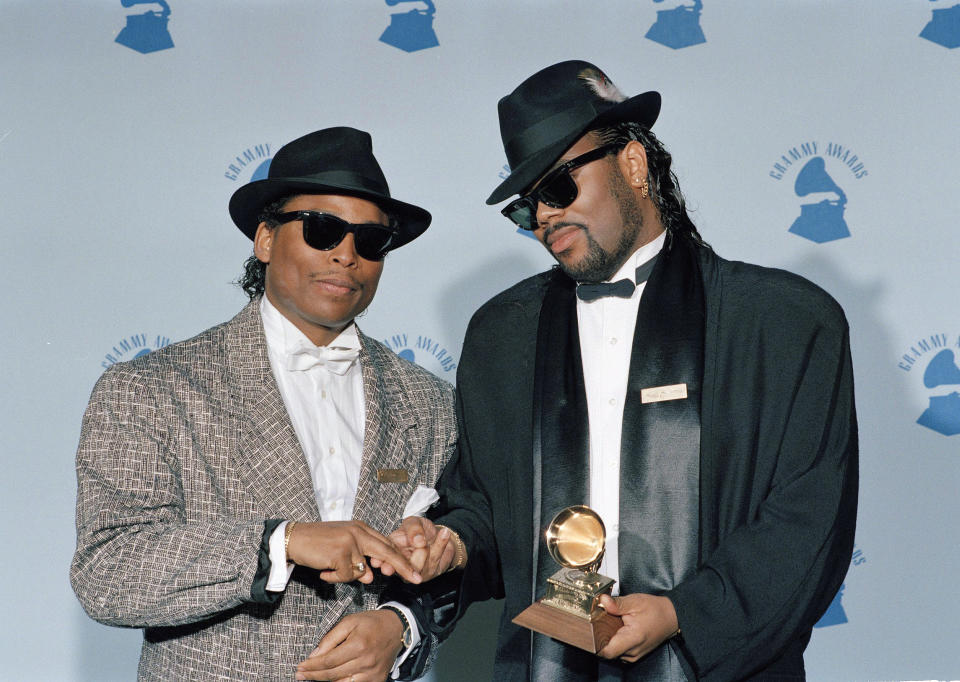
664	186
255	270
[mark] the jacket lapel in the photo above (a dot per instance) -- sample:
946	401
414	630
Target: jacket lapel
561	458
560	446
269	458
660	445
710	453
387	449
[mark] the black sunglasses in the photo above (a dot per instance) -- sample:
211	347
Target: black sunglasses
324	231
557	189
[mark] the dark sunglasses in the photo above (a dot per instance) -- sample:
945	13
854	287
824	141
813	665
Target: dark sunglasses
324	231
558	189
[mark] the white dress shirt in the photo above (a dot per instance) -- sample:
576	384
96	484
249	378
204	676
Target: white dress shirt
327	412
326	408
606	328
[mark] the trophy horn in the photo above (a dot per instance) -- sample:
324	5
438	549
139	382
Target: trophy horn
576	538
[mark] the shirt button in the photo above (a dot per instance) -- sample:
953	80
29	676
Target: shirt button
332	449
613	401
333	505
613	341
323	394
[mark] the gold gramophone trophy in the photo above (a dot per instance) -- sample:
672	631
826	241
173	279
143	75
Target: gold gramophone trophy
570	610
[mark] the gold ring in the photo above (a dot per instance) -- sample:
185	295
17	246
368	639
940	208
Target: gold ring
360	567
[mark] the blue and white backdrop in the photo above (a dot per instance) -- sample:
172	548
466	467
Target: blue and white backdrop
811	135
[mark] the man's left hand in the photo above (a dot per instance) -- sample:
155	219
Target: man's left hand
362	647
648	621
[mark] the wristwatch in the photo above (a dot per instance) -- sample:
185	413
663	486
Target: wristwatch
407	637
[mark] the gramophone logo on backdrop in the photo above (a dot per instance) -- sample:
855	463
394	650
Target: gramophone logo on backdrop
133	347
424	351
678	26
411	30
822	199
256	159
940	359
836	615
146	32
944	26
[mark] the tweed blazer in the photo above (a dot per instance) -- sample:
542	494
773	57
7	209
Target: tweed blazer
184	453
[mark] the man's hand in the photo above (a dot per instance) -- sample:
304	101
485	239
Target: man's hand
362	647
648	621
338	549
431	549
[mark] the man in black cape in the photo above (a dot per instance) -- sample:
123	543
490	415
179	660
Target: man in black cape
704	408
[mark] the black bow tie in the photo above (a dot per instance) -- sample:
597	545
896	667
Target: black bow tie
622	288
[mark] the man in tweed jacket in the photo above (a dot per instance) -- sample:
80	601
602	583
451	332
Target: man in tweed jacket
234	488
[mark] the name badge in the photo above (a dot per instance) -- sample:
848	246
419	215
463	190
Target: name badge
659	394
392	475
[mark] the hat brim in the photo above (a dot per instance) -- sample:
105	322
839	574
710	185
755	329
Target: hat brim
247	203
643	109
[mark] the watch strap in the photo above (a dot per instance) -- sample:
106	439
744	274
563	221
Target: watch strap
407	636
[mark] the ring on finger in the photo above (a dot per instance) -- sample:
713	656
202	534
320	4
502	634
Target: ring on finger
359	567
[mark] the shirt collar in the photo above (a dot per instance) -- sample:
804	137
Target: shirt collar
629	269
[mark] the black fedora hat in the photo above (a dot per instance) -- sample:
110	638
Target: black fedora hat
553	108
329	161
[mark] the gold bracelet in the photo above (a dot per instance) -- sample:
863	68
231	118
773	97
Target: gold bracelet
286	538
460	549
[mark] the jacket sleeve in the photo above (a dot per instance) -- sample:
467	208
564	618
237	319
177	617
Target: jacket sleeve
139	561
465	507
773	575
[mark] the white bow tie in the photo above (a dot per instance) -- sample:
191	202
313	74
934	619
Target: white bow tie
336	360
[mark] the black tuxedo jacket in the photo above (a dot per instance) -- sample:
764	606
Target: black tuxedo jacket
778	471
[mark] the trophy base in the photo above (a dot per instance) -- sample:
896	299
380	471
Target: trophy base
589	635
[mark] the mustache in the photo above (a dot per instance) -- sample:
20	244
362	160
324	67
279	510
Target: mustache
336	278
547	233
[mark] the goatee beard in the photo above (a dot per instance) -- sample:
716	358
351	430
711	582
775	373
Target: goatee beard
599	265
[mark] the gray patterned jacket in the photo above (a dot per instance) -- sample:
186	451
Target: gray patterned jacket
184	453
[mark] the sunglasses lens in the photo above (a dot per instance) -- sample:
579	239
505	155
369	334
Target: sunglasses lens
558	192
372	242
557	189
523	212
322	231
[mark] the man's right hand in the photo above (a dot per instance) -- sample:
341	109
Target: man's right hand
338	550
432	549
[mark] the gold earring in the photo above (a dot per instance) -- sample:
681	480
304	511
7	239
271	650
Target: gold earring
645	189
